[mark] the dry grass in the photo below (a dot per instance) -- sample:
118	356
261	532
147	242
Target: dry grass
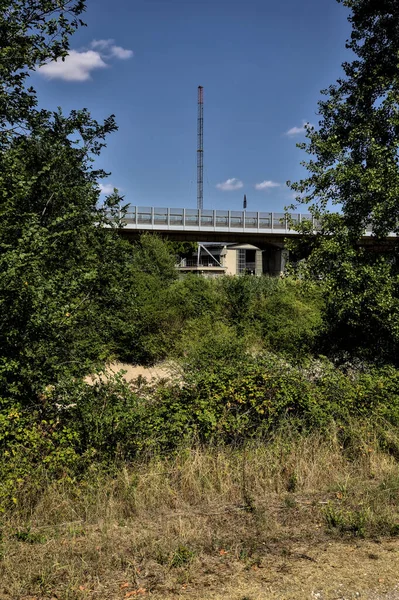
216	523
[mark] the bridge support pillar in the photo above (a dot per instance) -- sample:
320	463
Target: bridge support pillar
258	262
274	260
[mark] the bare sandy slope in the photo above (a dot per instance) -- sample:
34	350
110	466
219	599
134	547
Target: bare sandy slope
132	372
160	371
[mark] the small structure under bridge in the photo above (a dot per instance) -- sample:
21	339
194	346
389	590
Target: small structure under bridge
212	259
230	242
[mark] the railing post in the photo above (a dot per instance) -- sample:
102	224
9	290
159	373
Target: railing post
258	220
136	211
243	219
214	219
184	217
168	217
272	220
229	219
152	216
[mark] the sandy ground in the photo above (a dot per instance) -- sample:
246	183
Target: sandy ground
155	373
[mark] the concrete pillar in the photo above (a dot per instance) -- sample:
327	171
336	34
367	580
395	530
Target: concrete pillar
258	263
274	260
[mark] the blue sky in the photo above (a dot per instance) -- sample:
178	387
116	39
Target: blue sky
262	64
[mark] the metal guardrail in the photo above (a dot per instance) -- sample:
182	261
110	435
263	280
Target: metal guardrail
215	219
222	220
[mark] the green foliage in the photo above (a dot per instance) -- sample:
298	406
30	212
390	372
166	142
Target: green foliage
182	556
280	315
33	32
147	335
206	341
73	294
354	165
362	308
355	146
29	537
183	249
289	318
346	521
192	318
64	276
153	257
238	296
79	426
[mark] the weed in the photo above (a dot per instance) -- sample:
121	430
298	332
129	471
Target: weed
249	504
243	554
292	483
347	521
182	556
27	536
289	501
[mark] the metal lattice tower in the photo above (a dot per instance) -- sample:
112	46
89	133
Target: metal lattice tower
200	149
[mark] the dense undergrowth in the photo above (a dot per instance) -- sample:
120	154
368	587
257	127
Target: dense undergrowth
245	357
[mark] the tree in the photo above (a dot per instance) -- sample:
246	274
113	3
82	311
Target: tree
354	165
356	144
64	271
32	33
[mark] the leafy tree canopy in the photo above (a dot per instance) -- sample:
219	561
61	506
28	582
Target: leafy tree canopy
65	273
355	148
32	33
353	167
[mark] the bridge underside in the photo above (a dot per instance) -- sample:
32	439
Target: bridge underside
261	240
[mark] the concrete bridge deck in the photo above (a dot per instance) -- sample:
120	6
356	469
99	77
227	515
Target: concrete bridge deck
261	229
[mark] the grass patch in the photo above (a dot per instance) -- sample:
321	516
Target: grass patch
183	521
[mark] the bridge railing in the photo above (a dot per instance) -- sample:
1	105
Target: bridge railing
215	219
224	219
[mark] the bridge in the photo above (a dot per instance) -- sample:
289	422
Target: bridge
258	228
264	231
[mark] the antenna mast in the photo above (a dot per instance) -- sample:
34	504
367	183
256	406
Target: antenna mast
200	149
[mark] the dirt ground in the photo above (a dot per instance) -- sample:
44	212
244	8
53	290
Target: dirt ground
154	373
325	571
329	570
159	371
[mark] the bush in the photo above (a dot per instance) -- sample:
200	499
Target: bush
220	402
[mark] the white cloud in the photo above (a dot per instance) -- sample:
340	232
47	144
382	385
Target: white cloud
106	188
230	185
121	53
78	65
101	44
298	130
109	49
267	185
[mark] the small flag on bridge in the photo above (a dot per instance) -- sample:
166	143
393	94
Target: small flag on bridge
245	201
